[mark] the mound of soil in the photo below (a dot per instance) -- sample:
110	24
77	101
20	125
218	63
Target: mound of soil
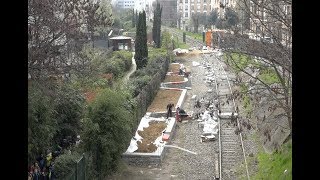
149	135
173	78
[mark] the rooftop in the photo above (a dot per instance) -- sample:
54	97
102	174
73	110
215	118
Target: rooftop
120	37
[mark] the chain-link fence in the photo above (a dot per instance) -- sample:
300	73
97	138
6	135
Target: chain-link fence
147	94
78	171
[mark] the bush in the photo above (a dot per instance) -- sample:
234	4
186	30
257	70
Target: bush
138	83
125	56
107	129
65	164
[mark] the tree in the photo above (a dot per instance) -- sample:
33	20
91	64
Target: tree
97	14
195	21
133	19
166	40
107	129
56	33
213	16
68	111
141	48
156	29
41	125
232	18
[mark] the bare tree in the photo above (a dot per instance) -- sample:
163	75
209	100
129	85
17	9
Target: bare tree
56	29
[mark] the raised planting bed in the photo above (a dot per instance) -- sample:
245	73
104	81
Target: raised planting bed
173	78
149	135
147	147
163	98
174	67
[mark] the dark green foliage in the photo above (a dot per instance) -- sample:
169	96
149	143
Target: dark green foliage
53	114
213	17
141	48
156	29
136	18
195	20
220	23
143	76
125	56
65	164
107	129
68	110
232	17
138	83
133	19
41	127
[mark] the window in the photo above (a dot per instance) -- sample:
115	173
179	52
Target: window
192	7
181	1
204	1
186	7
186	14
186	1
204	7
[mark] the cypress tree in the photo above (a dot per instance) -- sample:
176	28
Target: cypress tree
133	19
156	29
141	48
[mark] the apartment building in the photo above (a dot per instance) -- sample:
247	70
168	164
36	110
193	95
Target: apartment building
271	20
186	8
125	4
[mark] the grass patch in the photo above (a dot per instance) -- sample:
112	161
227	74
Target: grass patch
181	45
237	61
155	52
272	166
197	36
247	105
268	76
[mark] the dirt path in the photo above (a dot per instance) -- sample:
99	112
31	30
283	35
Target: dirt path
132	70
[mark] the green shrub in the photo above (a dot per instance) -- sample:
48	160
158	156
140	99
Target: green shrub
107	129
65	164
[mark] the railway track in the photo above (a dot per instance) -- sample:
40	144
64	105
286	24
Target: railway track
231	152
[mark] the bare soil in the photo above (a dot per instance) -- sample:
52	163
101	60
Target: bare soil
174	68
90	95
173	78
163	98
149	135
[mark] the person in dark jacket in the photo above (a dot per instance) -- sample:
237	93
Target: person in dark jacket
169	110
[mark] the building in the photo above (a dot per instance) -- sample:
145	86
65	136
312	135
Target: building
121	43
125	4
169	12
271	20
186	8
